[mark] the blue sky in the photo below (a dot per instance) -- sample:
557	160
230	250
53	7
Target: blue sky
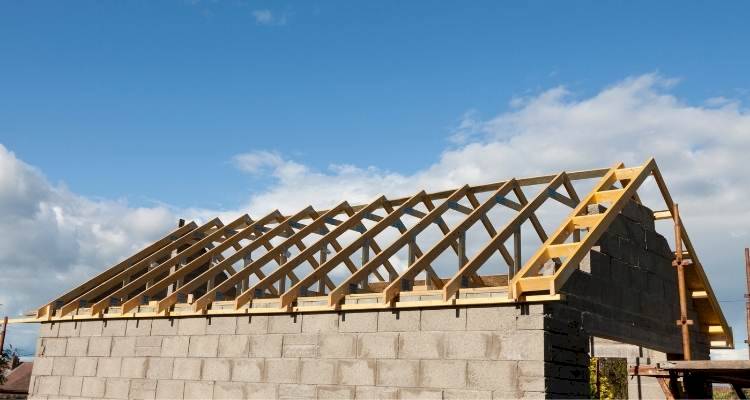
116	118
112	97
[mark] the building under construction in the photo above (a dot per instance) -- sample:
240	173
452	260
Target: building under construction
502	290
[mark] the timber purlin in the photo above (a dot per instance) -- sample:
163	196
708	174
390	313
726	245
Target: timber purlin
304	262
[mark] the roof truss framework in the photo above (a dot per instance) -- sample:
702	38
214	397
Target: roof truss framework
374	255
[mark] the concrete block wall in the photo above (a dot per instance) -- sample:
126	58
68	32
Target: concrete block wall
455	353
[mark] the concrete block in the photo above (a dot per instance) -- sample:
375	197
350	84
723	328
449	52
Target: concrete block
117	388
71	385
48	385
138	327
64	366
42	366
260	391
335	392
443	319
492	375
114	327
313	371
159	368
530	322
164	327
187	368
398	321
511	393
216	369
229	390
169	389
376	393
133	367
356	372
377	345
48	329
198	390
421	345
305	345
265	346
221	326
281	370
531	368
69	329
102	347
148	341
247	370
459	394
109	367
53	347
317	323
175	346
192	326
355	322
442	374
297	392
93	387
498	318
422	394
92	328
522	345
398	373
142	389
338	346
285	323
85	366
123	346
252	324
203	346
233	346
468	345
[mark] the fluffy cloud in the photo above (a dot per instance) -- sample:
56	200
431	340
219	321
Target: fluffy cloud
60	238
267	17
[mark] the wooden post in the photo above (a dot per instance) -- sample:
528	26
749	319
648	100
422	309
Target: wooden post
680	264
747	296
2	336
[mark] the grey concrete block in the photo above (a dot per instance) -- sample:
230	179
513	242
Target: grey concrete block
247	370
198	390
335	392
421	345
138	327
442	374
148	341
92	328
527	322
216	369
221	325
116	388
398	321
492	375
64	366
320	323
84	366
159	368
164	327
313	371
203	346
192	326
252	324
48	385
187	368
461	394
234	346
175	346
260	391
421	394
114	327
297	392
69	329
265	345
93	387
229	390
49	329
133	367
354	322
123	346
71	385
282	370
42	366
377	345
338	345
376	393
142	389
499	318
398	373
102	347
305	345
443	319
522	345
468	345
53	347
286	323
356	372
531	368
169	389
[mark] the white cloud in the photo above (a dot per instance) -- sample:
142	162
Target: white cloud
267	17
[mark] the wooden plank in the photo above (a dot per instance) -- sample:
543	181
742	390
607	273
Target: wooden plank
662	214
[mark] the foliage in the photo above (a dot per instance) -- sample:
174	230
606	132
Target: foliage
613	378
8	360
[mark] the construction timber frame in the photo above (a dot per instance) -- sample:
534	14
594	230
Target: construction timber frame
247	266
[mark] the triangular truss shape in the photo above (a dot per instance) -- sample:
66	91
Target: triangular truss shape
374	255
